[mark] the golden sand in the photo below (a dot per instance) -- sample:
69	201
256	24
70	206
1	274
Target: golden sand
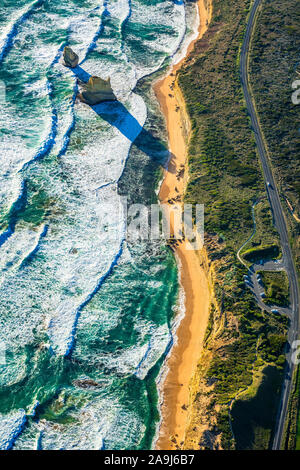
182	361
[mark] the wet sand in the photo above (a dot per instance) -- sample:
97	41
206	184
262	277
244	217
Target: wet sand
184	355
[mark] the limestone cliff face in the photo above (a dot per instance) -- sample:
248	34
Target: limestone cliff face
70	58
96	91
202	430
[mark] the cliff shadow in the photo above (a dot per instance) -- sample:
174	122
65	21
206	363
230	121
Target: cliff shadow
116	114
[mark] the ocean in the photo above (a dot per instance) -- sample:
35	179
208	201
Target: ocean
86	314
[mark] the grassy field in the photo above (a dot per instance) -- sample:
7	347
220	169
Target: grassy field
244	346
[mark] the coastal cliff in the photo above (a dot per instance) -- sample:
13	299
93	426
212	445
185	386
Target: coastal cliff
235	390
233	393
182	362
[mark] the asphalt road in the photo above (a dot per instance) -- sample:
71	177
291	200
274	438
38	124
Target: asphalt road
257	287
280	224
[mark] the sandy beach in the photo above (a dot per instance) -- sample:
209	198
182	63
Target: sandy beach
185	353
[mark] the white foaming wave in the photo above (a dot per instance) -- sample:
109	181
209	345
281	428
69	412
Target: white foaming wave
17	248
121	72
103	233
168	14
39	55
109	314
64	125
192	25
105	210
102	160
175	18
125	71
100	420
64	108
119	9
74	274
15	153
15	19
158	343
126	431
137	359
15	367
43	55
38	89
88	434
100	424
10	427
61	280
179	313
11	189
95	170
66	275
82	30
100	224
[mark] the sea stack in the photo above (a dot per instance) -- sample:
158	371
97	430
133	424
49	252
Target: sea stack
96	91
70	57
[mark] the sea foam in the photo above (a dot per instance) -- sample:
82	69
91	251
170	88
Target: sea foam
73	156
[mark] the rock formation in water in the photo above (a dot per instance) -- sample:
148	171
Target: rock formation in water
86	383
70	57
96	91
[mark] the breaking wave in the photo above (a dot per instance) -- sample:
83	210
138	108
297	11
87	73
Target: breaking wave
64	280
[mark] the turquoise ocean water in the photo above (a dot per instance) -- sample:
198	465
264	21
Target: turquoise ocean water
85	314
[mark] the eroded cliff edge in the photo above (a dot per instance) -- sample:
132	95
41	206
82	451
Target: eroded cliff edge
235	391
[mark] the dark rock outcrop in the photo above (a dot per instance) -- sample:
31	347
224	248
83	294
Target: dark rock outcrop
70	58
96	91
86	383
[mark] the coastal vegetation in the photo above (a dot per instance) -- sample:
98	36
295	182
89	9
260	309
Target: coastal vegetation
292	430
276	286
259	408
274	67
241	366
264	252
